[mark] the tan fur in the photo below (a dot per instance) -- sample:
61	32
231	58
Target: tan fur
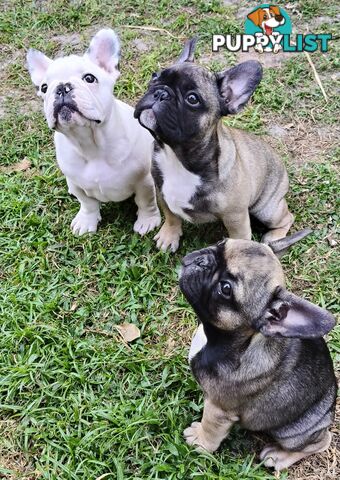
214	427
171	230
204	170
275	457
216	424
244	164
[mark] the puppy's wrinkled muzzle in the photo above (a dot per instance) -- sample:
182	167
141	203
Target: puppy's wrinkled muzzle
201	259
195	280
72	103
144	113
64	104
204	258
145	108
145	103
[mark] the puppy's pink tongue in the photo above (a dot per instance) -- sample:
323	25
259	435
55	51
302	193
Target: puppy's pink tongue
268	30
148	119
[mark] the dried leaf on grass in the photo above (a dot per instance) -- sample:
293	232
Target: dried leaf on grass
128	331
331	241
16	167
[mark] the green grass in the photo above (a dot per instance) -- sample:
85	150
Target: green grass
76	404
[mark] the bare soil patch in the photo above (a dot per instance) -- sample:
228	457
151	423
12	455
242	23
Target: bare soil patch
305	142
11	458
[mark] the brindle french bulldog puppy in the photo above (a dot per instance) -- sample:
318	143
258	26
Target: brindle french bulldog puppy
258	353
204	170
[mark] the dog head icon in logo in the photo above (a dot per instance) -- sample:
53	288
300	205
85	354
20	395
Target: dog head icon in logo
268	20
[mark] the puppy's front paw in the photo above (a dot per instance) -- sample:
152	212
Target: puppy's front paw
194	435
85	222
168	237
145	223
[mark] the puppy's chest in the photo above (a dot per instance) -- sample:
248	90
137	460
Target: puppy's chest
99	177
179	186
228	378
204	361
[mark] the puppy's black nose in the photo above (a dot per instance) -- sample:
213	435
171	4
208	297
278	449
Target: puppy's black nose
278	18
161	95
63	89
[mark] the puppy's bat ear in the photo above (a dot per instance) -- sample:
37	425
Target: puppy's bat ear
288	315
280	246
237	85
104	51
188	52
37	64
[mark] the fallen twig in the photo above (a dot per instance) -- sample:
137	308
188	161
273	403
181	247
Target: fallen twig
316	75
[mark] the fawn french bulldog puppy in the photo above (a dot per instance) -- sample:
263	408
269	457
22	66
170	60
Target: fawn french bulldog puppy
258	353
204	170
101	149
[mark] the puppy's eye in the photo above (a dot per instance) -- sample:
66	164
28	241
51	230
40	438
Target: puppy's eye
44	87
89	78
192	99
265	17
225	289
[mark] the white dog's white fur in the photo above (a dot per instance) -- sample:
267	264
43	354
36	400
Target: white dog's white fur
102	150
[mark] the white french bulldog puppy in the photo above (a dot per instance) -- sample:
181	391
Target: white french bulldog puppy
102	150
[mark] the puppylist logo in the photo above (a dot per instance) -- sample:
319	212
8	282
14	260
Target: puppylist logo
268	28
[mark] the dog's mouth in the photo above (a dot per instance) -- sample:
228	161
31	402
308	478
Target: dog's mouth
269	30
147	119
64	112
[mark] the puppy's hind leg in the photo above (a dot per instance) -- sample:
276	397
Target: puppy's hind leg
148	216
276	457
279	224
214	427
